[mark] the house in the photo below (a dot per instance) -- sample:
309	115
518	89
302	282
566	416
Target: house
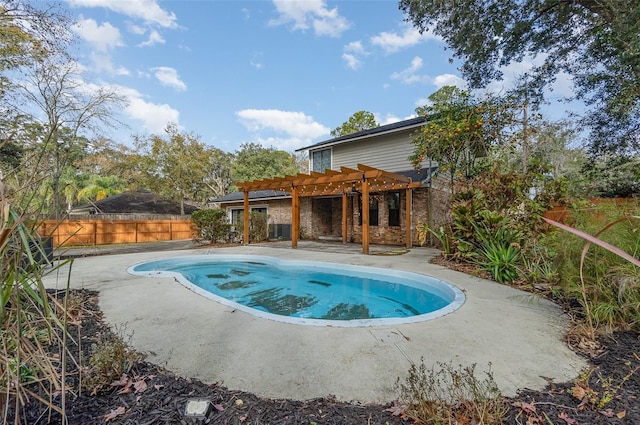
139	201
357	190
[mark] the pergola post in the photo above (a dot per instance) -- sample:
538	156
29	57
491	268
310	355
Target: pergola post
409	208
245	236
365	216
344	217
295	217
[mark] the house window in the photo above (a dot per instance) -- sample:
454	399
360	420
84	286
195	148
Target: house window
373	212
394	208
321	160
237	214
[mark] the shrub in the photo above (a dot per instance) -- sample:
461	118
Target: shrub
448	395
210	225
258	227
111	357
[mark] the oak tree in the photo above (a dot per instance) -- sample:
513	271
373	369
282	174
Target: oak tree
594	42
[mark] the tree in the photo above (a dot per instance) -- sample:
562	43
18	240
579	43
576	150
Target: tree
255	162
458	130
595	42
179	166
71	109
361	120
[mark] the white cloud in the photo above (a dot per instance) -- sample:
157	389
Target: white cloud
154	38
392	42
353	53
449	80
352	61
169	77
102	62
310	13
409	75
388	118
355	47
297	128
256	61
153	117
147	10
102	38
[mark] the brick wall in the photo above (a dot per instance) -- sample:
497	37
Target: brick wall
323	216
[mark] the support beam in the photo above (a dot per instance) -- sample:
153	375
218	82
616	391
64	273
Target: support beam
245	235
408	209
365	217
295	217
344	217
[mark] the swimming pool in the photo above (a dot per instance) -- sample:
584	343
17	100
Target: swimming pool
310	292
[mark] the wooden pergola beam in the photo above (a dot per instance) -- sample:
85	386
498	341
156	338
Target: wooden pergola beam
331	183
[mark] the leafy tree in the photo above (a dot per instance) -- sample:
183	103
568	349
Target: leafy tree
255	162
459	129
595	42
361	120
178	166
100	187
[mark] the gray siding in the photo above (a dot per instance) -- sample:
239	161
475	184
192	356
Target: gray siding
387	152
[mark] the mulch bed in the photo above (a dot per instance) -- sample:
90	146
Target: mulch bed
149	394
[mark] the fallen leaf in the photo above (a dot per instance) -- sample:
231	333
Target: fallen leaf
218	407
397	409
608	413
239	402
578	392
125	390
621	414
567	419
124	381
114	413
140	386
158	387
243	418
526	407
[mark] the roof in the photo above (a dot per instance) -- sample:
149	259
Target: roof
134	202
384	129
333	182
253	195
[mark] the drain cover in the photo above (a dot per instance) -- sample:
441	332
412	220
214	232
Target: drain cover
390	336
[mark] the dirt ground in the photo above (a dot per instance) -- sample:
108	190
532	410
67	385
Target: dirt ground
148	394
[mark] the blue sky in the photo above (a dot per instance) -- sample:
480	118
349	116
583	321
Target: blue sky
282	73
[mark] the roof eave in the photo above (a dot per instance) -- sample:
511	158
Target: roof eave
329	143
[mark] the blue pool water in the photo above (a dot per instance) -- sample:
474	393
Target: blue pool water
310	292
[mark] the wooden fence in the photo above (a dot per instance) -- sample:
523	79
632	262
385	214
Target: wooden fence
598	208
91	231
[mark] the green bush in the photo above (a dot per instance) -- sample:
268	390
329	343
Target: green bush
210	225
258	227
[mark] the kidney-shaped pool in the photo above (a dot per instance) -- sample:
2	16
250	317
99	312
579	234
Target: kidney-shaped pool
310	292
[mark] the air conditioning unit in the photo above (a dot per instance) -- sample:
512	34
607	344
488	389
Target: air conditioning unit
280	231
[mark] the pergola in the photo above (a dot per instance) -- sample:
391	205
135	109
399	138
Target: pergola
364	180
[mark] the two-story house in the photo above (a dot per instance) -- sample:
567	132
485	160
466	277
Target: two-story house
360	188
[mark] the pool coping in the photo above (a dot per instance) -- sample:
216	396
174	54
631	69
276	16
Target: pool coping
458	297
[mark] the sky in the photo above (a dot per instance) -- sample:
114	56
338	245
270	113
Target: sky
281	73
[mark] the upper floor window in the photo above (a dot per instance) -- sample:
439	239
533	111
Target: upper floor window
321	160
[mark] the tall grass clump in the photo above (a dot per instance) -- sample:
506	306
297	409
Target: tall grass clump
598	268
28	325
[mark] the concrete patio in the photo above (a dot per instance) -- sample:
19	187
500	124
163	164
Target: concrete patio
521	335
